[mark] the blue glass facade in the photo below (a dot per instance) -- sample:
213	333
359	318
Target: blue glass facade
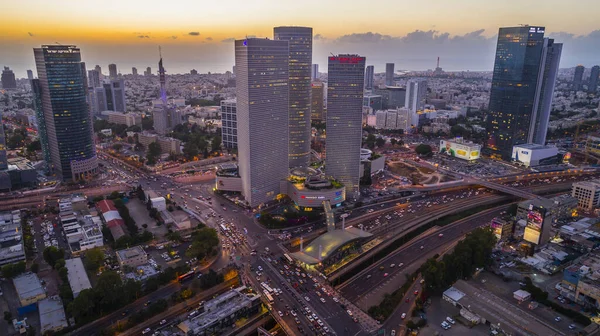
66	114
514	85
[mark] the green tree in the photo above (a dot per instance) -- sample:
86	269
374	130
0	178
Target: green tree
117	147
380	142
216	143
204	242
34	146
153	153
393	141
52	254
94	258
8	316
423	149
147	124
370	141
15	141
35	267
190	150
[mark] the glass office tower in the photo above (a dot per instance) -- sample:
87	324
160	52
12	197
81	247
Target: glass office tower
300	66
62	91
514	85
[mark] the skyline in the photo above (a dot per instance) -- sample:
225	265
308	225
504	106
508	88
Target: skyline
462	33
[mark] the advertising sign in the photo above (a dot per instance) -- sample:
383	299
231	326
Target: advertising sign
461	151
533	228
496	226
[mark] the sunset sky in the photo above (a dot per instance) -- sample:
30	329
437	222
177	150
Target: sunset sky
196	34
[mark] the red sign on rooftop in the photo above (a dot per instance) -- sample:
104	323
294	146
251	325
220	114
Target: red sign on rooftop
353	59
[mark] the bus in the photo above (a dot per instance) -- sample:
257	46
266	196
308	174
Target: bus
186	276
266	287
223	228
268	296
288	258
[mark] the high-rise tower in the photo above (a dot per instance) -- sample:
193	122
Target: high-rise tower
346	77
389	74
8	79
3	160
112	71
522	84
578	78
593	82
416	94
93	78
314	72
162	78
134	71
300	61
369	77
66	115
262	92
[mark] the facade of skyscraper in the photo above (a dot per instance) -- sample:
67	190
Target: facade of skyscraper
593	82
93	79
108	96
262	75
578	78
66	114
300	46
346	77
369	77
134	71
545	91
112	71
8	79
148	71
522	84
3	158
314	72
99	69
29	75
316	111
416	95
389	74
36	88
229	123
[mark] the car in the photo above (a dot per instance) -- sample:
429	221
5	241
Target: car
449	319
323	300
441	235
163	322
572	326
393	332
385	275
294	313
416	292
335	300
407	300
558	319
349	312
307	299
403	316
368	276
392	265
280	313
147	330
422	247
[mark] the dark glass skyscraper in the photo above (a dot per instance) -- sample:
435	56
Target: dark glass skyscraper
3	160
62	93
522	56
8	79
593	83
112	71
578	78
300	67
36	88
369	77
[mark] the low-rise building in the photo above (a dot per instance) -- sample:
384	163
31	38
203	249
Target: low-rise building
127	119
29	288
78	279
167	145
112	218
133	257
532	155
461	149
221	312
11	238
52	315
560	207
587	194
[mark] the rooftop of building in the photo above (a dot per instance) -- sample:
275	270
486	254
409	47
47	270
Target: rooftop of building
219	308
52	314
132	252
326	244
28	285
591	184
494	309
534	146
77	276
228	170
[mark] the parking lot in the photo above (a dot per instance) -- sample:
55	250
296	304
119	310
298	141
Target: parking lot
140	215
481	168
438	311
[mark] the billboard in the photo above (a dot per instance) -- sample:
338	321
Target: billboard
535	221
465	151
496	226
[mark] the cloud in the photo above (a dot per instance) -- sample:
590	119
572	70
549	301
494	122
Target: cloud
30	34
143	36
578	49
318	37
209	38
363	38
173	37
194	33
229	39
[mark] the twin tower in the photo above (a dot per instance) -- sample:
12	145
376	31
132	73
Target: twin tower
273	87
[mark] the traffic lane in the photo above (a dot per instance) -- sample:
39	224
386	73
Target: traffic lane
409	254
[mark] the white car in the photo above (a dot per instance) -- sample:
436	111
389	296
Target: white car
306	298
323	300
147	330
335	300
403	316
280	313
